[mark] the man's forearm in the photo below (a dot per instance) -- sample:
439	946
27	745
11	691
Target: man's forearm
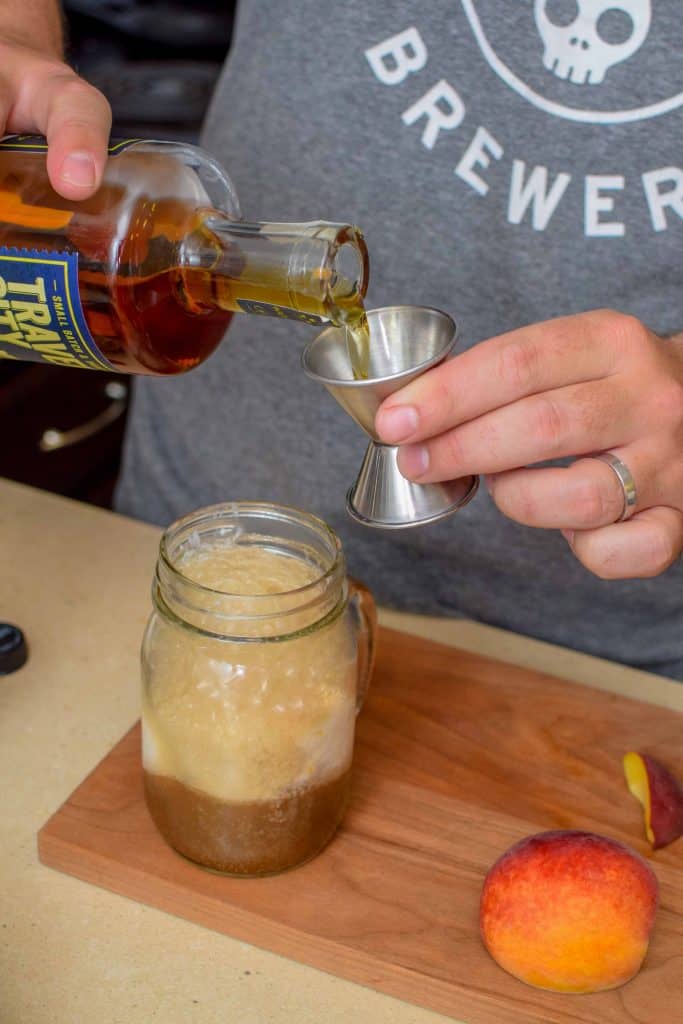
34	23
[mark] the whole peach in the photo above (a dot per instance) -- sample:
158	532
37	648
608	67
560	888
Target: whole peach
569	911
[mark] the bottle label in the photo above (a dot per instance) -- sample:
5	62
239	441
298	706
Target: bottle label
41	317
284	312
38	144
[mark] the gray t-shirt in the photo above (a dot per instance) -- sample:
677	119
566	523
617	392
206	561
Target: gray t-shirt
507	163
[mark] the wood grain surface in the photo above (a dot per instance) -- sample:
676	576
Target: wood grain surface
457	757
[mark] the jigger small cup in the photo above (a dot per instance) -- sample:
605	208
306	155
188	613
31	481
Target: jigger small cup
404	342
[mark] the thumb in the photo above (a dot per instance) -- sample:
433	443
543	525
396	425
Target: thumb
43	95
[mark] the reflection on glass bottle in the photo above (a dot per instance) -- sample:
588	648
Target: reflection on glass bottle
145	276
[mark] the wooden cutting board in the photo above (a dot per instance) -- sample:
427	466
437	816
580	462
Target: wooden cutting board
457	757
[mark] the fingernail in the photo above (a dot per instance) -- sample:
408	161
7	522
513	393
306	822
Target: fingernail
79	169
568	536
397	423
413	461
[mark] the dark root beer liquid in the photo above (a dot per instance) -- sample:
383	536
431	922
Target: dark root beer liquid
258	837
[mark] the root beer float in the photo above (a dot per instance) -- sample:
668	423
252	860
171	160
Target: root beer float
251	665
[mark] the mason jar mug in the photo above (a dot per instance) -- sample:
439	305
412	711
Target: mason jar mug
255	662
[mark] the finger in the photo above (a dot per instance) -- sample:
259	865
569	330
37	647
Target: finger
77	126
51	99
539	358
5	104
567	421
640	548
583	496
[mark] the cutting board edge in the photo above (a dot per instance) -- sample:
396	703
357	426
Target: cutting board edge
395	980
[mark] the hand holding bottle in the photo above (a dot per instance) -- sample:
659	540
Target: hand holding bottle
40	93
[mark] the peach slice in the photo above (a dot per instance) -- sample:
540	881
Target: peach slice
569	911
659	793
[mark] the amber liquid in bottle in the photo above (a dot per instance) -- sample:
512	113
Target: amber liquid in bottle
160	276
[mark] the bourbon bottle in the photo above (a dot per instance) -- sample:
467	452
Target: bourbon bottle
145	276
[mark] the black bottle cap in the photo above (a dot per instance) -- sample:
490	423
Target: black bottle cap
13	649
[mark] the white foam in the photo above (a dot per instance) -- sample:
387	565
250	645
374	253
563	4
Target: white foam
250	721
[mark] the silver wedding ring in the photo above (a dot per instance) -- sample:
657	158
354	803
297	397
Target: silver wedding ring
625	478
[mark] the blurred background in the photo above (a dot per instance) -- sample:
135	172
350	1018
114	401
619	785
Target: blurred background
157	64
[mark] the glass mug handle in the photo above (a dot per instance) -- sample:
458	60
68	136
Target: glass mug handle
364	611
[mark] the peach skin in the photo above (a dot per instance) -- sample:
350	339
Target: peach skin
569	911
660	794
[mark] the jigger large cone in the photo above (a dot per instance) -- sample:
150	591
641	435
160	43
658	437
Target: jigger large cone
404	342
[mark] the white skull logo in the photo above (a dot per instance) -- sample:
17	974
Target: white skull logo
579	35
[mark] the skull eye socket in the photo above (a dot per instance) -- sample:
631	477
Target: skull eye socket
615	27
561	12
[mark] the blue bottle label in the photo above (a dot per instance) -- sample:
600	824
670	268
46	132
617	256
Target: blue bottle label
41	316
38	144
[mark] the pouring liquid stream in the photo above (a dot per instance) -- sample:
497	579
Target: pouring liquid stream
358	345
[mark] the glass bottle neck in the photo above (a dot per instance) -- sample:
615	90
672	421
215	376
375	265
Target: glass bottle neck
315	272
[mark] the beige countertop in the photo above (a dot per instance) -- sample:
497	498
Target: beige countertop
77	579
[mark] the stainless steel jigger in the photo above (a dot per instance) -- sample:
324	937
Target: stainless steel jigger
404	342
